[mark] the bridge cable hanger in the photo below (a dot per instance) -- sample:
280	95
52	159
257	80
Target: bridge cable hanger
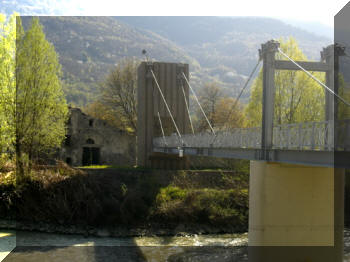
161	127
166	105
196	98
242	90
238	97
187	107
314	78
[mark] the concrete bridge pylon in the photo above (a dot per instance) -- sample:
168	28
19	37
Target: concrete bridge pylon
296	213
150	104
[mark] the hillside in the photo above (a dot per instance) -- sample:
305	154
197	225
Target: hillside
88	47
218	49
227	41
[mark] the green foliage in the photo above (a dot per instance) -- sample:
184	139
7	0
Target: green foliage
65	195
171	193
41	108
206	205
298	98
7	81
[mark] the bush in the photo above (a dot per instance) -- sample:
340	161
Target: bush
65	195
171	193
205	206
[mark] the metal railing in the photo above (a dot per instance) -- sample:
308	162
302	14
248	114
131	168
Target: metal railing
325	136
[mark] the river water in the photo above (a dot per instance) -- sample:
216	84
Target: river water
56	248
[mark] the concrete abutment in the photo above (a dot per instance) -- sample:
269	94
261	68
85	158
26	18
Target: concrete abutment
296	213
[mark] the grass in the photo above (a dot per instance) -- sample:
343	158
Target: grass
143	168
98	166
127	168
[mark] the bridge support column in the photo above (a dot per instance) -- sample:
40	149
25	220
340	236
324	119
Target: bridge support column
296	213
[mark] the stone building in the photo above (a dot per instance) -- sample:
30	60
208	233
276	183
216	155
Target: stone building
92	141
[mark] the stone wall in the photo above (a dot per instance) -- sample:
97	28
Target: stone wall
92	141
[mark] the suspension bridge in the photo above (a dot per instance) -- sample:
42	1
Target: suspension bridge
297	170
312	143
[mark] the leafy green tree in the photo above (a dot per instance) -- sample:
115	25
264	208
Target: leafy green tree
298	97
7	81
41	108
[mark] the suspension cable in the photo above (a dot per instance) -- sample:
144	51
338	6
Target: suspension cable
166	104
238	97
187	107
161	127
314	78
242	90
196	98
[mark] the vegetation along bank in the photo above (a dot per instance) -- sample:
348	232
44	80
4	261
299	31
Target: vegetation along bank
126	201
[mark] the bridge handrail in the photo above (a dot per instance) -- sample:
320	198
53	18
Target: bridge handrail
296	136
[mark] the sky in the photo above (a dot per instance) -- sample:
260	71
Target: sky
319	11
305	10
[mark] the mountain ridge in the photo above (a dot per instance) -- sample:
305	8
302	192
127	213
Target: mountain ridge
217	49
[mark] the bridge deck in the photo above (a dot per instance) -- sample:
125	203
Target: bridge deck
316	143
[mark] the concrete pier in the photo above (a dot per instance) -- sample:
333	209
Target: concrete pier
296	213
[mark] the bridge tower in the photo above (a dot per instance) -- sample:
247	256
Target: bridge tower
295	211
150	103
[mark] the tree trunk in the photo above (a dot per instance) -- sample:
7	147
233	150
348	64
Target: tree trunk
19	162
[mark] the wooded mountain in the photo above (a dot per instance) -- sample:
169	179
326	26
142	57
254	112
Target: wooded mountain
221	49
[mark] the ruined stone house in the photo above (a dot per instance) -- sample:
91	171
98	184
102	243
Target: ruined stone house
92	141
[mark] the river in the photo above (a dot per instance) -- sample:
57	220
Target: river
33	247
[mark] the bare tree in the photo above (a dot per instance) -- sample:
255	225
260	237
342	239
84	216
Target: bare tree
119	94
209	97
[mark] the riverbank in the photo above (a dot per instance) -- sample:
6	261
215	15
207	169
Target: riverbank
125	202
150	230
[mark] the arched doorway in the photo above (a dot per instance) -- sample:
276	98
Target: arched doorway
91	154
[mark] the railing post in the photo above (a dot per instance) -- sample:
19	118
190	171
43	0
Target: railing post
240	138
300	140
313	136
328	135
267	53
332	141
288	136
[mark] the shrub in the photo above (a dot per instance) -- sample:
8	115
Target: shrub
206	206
